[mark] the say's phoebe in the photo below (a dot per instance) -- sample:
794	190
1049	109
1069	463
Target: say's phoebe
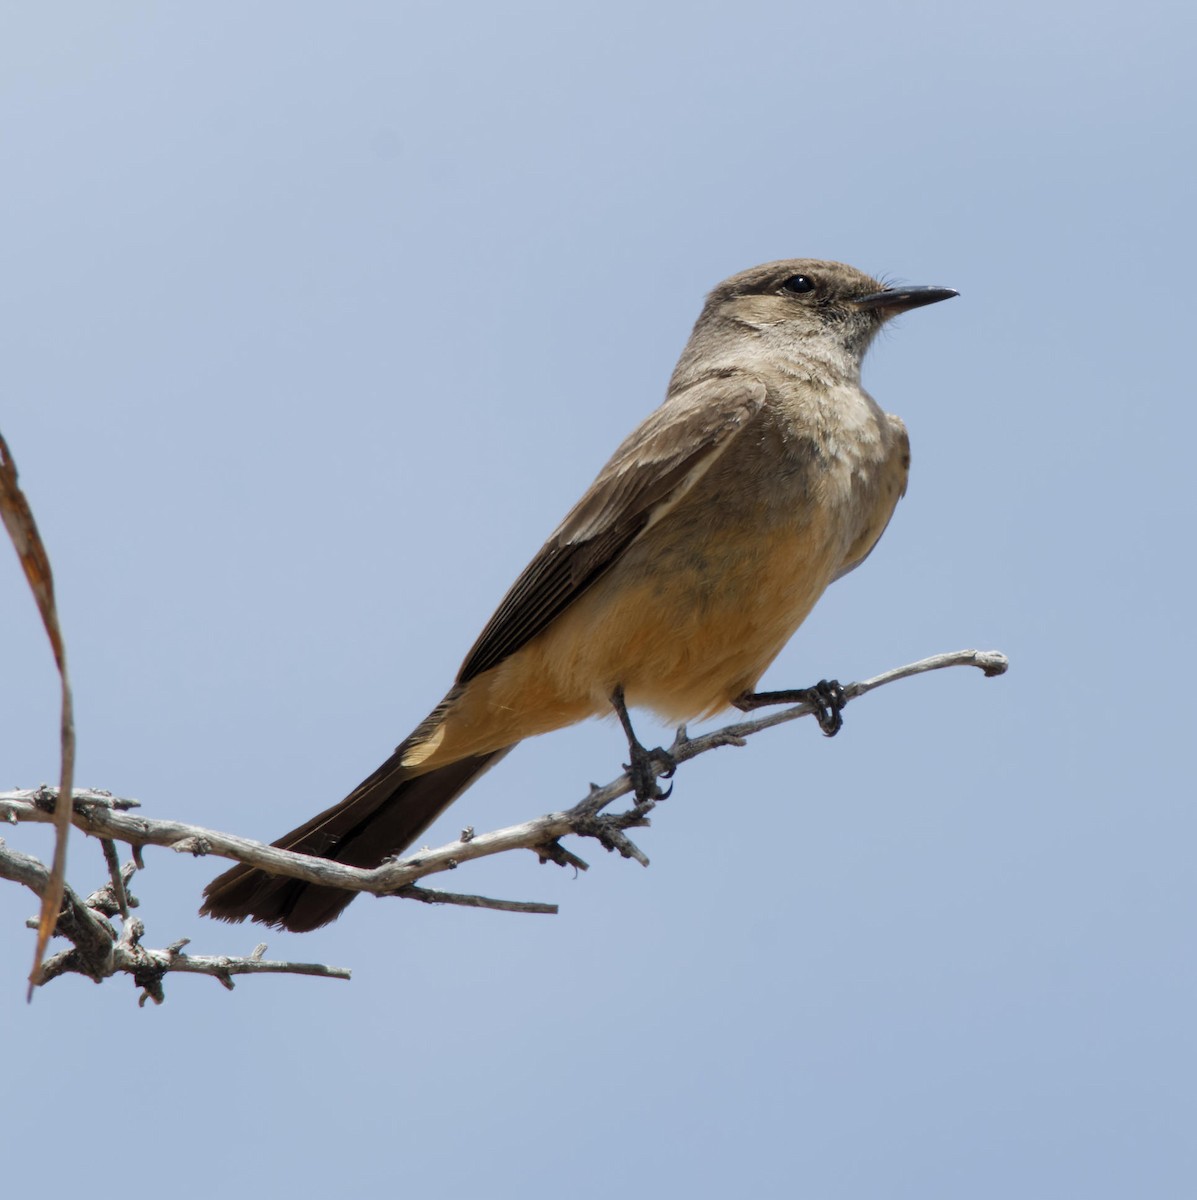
675	581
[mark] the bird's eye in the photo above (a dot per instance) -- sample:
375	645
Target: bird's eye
798	284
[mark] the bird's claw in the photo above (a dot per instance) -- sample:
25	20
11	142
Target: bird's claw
643	770
644	773
828	699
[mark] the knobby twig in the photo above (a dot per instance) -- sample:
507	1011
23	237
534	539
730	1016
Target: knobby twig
97	952
428	896
107	816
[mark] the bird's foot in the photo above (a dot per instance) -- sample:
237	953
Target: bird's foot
826	698
647	766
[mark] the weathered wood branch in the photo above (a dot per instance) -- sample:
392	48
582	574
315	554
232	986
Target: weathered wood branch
106	816
97	952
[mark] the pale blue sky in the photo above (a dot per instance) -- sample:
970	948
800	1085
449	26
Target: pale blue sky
314	319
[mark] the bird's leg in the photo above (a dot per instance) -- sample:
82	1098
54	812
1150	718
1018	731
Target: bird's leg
643	768
827	697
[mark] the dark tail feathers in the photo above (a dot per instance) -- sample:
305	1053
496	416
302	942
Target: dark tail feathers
380	817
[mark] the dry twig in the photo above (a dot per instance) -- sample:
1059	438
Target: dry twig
97	952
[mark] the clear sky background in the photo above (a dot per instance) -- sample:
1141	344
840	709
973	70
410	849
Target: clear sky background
316	318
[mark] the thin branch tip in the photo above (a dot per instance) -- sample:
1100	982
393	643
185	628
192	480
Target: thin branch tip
993	663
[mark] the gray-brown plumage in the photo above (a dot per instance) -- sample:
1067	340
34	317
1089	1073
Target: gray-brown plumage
767	473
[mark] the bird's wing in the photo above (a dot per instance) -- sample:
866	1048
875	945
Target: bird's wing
654	468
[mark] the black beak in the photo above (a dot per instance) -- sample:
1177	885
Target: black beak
900	300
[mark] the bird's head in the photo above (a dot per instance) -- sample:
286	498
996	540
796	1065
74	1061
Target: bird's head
824	309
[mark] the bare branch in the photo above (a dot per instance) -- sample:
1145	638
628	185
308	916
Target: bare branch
91	934
105	900
104	815
116	880
149	967
428	896
98	953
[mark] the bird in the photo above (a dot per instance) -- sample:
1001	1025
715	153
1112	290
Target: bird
767	473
